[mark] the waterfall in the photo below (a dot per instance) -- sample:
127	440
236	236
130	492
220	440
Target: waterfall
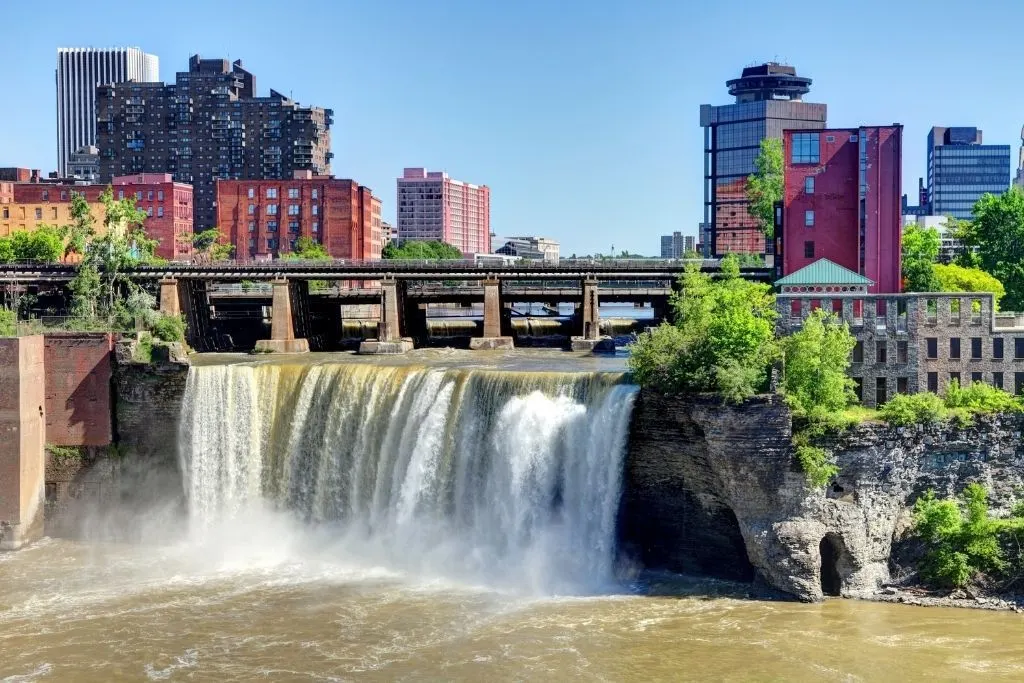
494	476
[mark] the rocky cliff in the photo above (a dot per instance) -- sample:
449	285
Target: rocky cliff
715	488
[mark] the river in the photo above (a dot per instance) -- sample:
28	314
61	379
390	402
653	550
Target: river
433	518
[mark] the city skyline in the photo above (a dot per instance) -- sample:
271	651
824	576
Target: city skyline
582	101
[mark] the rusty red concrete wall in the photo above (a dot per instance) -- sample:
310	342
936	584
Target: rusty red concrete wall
79	398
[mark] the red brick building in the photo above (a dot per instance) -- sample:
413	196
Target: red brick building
264	218
842	201
168	206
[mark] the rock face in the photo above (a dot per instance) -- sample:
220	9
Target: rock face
716	488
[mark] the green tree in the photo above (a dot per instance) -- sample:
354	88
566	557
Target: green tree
308	249
81	230
955	278
997	235
44	244
765	186
920	251
816	358
8	322
412	250
209	245
723	339
960	540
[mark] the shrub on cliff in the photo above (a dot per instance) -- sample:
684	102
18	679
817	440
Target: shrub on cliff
169	328
8	322
816	358
979	398
908	409
723	339
960	546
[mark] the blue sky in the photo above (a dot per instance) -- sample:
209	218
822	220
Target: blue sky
582	116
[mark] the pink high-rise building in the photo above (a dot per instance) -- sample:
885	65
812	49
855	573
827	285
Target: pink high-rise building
432	206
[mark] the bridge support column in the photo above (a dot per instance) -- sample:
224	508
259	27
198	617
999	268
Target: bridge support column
23	425
170	302
590	316
492	338
389	331
282	327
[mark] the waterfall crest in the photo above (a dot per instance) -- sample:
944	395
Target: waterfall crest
503	477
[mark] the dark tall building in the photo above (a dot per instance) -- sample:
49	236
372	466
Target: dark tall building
768	101
961	169
208	125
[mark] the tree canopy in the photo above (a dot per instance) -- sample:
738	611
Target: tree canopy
307	249
765	185
418	251
210	245
723	339
955	278
920	251
816	359
45	244
996	235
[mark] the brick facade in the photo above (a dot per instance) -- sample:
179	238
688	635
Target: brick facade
79	403
919	342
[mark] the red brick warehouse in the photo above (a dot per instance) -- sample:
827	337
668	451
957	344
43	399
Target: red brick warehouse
842	201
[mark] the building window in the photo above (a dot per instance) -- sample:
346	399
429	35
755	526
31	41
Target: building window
120	194
271	209
316	210
809	218
809	185
252	226
933	382
805	148
997	348
881	352
252	209
293	193
293	226
880	391
808	249
954	348
1018	382
997	380
1018	347
954	311
858	352
901	352
293	209
271	193
7	212
902	385
252	192
39	214
63	195
316	226
46	195
159	212
858	388
271	226
138	195
149	195
975	377
159	195
271	244
149	211
315	193
976	348
252	243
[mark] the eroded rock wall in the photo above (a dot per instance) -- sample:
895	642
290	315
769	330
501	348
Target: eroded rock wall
715	488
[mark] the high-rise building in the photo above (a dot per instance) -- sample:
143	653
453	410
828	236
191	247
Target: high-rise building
84	164
768	101
961	169
265	218
79	71
677	245
432	206
842	202
167	204
209	125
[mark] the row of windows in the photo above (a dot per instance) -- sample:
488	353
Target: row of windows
293	209
293	226
293	193
881	352
997	380
932	348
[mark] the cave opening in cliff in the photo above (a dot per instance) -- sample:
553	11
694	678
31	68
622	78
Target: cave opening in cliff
831	550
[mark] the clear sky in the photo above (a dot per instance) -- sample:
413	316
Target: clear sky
582	116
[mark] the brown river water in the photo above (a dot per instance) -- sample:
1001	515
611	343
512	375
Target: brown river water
401	522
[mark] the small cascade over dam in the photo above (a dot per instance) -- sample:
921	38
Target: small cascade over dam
503	477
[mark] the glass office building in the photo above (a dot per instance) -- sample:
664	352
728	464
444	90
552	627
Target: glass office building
961	169
768	101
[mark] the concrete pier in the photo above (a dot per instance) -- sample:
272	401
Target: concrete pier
492	338
282	327
590	318
389	332
22	440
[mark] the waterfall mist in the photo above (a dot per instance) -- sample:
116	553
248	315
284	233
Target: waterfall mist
509	479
